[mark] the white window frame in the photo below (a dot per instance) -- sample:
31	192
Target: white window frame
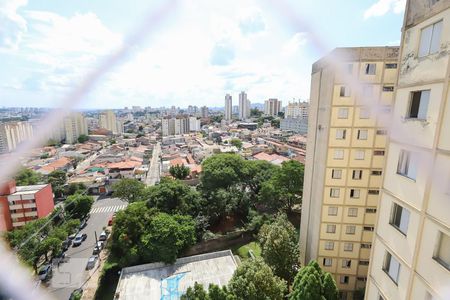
350	229
338	154
392	267
329	226
357	174
430	39
341	134
364	113
407	164
363	134
348	247
327	262
370	69
329	245
344	91
442	250
343	112
332	210
422	105
399	218
360	154
336	173
352	212
335	192
356	193
346	263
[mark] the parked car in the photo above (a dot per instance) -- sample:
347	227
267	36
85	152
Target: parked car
66	244
84	236
45	272
98	247
83	224
111	220
103	236
78	240
72	236
76	294
91	262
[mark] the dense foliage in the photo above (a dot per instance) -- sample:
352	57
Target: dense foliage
179	171
312	283
57	179
142	235
27	177
83	138
78	206
130	190
279	244
237	143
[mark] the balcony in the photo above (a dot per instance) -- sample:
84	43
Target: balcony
15	206
29	205
18	224
17	215
31	214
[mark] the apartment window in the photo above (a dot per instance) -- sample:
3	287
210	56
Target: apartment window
340	134
335	192
373	192
381	132
362	134
336	174
344	279
359	154
357	174
363	262
327	262
350	229
363	279
418	106
388	88
376	172
391	66
331	228
343	113
371	210
352	212
344	91
368	228
366	246
442	251
430	39
391	266
332	211
378	152
329	245
34	209
348	247
338	154
346	263
354	193
371	69
364	113
407	164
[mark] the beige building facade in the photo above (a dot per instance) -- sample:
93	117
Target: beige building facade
411	248
352	93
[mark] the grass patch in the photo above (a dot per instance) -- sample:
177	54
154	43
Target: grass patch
242	251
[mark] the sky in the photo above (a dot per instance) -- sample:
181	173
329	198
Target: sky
195	53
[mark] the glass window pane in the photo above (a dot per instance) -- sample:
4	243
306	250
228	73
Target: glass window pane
436	38
423	106
425	41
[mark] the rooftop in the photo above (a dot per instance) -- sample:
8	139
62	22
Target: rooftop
161	281
29	189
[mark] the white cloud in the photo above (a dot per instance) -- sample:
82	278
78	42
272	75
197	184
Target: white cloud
12	25
382	7
294	43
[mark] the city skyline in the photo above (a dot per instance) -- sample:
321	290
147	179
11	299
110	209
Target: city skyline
233	48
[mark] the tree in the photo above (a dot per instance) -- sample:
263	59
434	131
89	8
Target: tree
275	123
285	187
255	173
254	280
179	171
255	112
279	245
214	293
83	138
216	118
237	143
130	190
221	171
143	235
27	177
78	206
312	283
57	179
75	188
172	196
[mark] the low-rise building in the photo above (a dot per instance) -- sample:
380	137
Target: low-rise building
297	125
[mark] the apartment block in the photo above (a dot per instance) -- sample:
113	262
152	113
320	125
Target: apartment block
411	249
345	160
108	120
21	204
228	113
244	106
296	110
74	126
12	134
272	107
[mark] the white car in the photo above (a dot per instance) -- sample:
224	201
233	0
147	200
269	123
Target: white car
91	262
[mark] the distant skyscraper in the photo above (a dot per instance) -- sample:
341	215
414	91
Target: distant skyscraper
12	134
297	110
108	121
74	126
272	107
244	106
204	110
194	124
228	107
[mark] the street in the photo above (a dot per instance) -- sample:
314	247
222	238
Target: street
154	169
72	274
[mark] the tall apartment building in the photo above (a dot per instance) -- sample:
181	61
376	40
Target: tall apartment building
272	107
22	204
12	134
411	249
228	107
297	110
108	120
244	106
175	126
74	126
345	160
194	124
204	111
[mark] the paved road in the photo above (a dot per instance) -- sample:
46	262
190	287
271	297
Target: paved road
153	174
72	274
